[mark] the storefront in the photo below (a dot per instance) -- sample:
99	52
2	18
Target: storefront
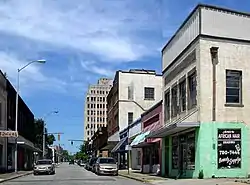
25	151
120	149
208	150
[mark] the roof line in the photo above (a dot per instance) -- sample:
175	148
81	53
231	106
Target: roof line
201	5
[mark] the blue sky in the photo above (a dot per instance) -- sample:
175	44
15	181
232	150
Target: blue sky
83	41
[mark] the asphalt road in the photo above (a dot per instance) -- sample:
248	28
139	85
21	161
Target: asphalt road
71	175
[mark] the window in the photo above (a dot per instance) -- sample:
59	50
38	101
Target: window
88	105
149	93
92	98
91	106
167	105
130	93
87	98
182	95
192	90
233	86
130	117
87	112
88	132
97	106
88	118
174	106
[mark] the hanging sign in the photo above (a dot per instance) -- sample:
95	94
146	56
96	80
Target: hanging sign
7	133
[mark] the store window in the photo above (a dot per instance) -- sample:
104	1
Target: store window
183	151
175	151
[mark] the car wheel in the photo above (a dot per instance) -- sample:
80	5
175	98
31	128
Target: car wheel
34	173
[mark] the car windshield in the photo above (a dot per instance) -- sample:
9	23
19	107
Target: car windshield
107	161
43	162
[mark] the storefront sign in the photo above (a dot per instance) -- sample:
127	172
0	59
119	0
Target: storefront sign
6	133
229	148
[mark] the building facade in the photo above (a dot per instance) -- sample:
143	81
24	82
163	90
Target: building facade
95	111
3	122
26	135
133	92
206	131
151	120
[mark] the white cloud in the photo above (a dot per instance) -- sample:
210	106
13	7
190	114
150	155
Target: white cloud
93	67
105	28
31	78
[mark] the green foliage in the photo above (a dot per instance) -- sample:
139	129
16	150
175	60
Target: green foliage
201	174
50	139
38	131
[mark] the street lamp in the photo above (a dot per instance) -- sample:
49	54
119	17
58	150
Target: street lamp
44	129
17	95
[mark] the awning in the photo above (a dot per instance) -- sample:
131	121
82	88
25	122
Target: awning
172	129
119	145
24	142
110	145
139	139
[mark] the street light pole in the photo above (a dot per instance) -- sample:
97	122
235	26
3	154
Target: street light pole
17	98
44	129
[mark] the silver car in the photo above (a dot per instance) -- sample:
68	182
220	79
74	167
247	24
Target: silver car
44	166
106	166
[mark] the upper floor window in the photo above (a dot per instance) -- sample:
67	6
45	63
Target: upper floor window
233	86
174	101
182	95
130	117
149	93
192	90
130	93
167	105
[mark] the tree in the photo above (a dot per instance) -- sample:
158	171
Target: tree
49	138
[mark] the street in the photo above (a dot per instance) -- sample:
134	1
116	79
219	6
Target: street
71	175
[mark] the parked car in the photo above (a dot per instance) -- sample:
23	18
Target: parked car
87	165
91	163
71	162
106	166
44	166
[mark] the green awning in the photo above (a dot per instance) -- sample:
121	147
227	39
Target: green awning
140	138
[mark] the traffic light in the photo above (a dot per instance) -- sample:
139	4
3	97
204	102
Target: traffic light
72	143
58	137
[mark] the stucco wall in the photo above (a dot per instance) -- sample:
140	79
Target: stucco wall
231	55
137	82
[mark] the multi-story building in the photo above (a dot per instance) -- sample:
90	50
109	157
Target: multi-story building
206	88
95	112
133	92
26	134
3	122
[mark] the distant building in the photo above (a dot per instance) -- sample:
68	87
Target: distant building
3	122
95	112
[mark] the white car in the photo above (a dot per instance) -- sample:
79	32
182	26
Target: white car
44	166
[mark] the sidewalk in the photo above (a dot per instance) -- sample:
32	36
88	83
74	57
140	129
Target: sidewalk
156	180
9	176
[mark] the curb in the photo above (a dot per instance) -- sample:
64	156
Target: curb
134	178
15	177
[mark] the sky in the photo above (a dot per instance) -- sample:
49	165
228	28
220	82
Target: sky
83	40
